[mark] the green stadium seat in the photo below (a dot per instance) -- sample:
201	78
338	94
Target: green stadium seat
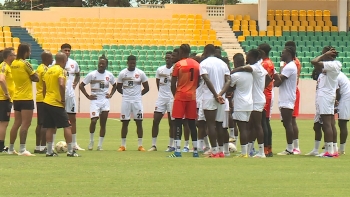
304	70
142	58
159	58
146	47
169	48
142	52
162	48
106	47
154	48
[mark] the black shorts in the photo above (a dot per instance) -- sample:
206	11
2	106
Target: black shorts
20	105
5	110
40	113
55	117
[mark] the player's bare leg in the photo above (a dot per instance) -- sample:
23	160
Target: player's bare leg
343	134
3	127
40	139
210	116
328	133
251	137
194	135
243	137
201	125
49	139
255	119
232	129
27	116
139	134
186	136
266	132
172	130
295	136
287	123
103	122
178	135
14	131
73	121
225	138
124	133
92	129
335	139
318	136
157	117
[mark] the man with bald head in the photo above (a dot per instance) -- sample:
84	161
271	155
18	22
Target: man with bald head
40	132
54	88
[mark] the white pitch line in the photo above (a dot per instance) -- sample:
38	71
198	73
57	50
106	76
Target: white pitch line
115	119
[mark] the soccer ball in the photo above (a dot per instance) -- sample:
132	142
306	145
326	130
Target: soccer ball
232	148
61	147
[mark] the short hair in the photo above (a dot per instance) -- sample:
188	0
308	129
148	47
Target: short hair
290	44
7	52
328	48
209	49
238	56
193	55
291	50
22	50
185	48
265	47
66	45
131	58
197	58
255	53
177	50
168	53
103	57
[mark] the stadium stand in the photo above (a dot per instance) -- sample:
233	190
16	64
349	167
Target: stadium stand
7	39
147	39
311	30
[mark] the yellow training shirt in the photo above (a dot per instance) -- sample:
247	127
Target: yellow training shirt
42	68
5	69
21	72
53	95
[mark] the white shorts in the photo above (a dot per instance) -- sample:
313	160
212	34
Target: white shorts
317	118
243	116
258	107
344	109
98	106
163	105
286	104
211	104
200	111
325	105
71	107
226	120
134	107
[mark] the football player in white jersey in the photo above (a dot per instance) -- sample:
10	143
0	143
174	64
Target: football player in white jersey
326	96
343	96
164	102
287	83
99	81
260	78
242	87
73	78
129	84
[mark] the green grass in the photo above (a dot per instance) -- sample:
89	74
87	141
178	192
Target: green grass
133	173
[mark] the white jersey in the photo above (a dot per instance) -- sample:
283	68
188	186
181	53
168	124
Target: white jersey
99	83
287	93
216	69
199	90
242	96
132	81
327	81
343	84
259	75
72	68
164	76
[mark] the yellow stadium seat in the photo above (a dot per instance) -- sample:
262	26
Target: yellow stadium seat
244	28
236	28
288	23
63	20
2	45
191	16
188	31
110	20
272	23
206	22
244	22
278	12
181	16
217	43
286	28
310	15
230	17
246	17
334	28
199	22
201	42
310	28
262	33
246	33
7	39
320	23
304	23
326	28
182	26
278	28
212	32
176	16
180	31
198	16
206	26
270	28
271	17
252	27
318	28
312	23
328	23
6	29
278	17
302	28
302	15
236	23
280	23
239	17
270	33
191	21
318	15
7	34
286	15
254	33
252	22
270	12
278	33
241	38
205	31
294	28
196	32
193	43
326	15
205	37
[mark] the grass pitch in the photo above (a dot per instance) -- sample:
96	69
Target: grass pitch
133	173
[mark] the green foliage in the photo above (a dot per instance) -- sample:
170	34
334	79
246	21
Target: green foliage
209	2
153	1
15	5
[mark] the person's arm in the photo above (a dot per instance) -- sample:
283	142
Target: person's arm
338	96
31	72
83	90
268	80
317	62
279	78
226	86
62	88
242	69
174	78
157	82
145	88
210	86
114	88
77	76
44	89
120	83
286	73
4	86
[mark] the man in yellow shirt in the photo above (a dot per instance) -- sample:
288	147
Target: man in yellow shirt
46	59
7	90
23	75
54	105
